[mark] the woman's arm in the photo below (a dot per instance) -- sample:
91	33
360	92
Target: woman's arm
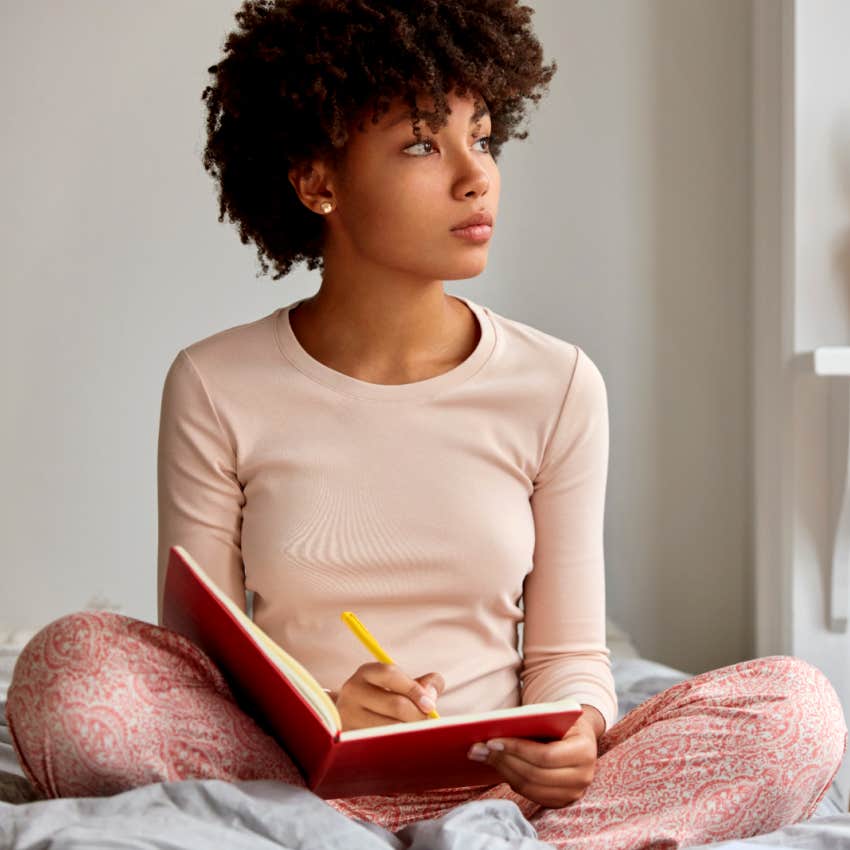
564	649
199	496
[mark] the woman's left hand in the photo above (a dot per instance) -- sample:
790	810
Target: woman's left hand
555	773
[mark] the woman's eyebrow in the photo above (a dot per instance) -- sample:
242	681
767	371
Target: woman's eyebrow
406	117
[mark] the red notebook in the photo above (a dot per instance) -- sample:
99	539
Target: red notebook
285	699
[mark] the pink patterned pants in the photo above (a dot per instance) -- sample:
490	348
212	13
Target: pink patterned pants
100	703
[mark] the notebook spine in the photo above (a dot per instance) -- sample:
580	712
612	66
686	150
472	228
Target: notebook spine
314	782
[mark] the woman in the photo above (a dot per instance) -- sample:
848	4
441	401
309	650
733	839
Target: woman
415	457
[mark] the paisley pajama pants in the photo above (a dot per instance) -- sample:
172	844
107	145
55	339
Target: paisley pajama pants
100	703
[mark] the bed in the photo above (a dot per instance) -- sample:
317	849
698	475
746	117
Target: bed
198	814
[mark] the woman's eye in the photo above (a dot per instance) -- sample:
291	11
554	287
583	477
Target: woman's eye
431	142
418	144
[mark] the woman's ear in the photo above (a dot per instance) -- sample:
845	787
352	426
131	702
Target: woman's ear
309	182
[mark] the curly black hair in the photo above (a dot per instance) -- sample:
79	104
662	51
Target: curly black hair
299	75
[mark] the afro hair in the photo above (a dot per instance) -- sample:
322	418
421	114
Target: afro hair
298	75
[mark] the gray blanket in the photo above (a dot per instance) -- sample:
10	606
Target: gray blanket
263	814
256	815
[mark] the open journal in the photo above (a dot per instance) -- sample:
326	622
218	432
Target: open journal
285	699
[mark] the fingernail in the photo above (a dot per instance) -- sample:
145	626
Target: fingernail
432	691
495	745
478	752
427	704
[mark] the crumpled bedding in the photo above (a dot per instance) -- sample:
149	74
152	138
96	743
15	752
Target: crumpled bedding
251	815
818	833
267	814
264	814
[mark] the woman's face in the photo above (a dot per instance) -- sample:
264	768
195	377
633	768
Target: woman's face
396	199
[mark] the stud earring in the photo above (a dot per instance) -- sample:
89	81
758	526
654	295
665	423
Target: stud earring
327	206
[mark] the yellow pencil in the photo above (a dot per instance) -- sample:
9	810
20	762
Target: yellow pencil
350	619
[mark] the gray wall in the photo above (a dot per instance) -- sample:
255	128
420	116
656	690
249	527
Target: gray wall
625	228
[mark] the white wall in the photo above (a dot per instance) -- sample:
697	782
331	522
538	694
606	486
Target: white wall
802	291
624	227
821	317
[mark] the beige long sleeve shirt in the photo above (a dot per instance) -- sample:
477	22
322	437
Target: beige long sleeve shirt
429	509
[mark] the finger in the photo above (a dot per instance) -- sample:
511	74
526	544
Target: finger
545	754
356	715
393	678
531	773
370	705
434	681
515	778
553	763
552	797
553	788
383	698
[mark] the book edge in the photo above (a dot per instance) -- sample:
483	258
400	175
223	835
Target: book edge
268	651
566	706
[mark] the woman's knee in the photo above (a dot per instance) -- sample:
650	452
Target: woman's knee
798	679
88	653
102	703
68	646
51	673
85	686
809	715
810	730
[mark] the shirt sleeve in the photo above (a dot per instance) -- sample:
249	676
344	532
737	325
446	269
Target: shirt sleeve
564	649
199	496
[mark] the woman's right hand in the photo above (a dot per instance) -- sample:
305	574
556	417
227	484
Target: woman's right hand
378	694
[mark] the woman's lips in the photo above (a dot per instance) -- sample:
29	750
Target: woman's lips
475	233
